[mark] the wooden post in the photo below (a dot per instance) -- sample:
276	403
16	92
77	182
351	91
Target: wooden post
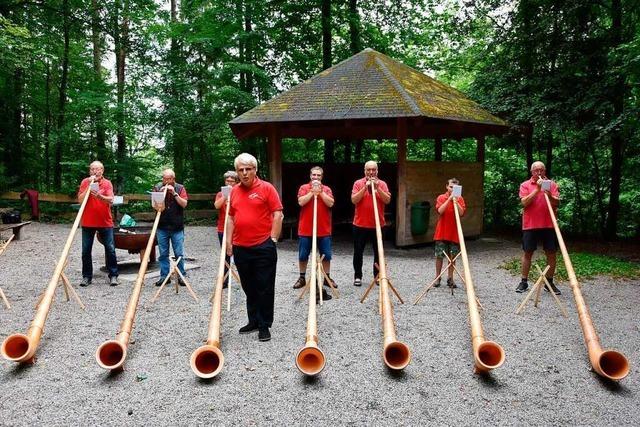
438	149
480	149
274	158
401	203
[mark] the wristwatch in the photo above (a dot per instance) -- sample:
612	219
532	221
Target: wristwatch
274	240
175	195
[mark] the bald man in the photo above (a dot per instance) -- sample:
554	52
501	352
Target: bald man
97	219
364	226
537	224
171	225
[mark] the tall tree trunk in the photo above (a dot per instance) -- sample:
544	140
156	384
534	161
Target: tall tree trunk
178	140
249	45
326	63
47	127
528	145
241	43
121	34
14	164
355	44
62	101
617	140
549	151
101	145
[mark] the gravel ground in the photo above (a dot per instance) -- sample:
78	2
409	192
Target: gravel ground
545	380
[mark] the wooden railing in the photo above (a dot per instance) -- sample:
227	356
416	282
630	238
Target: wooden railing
127	198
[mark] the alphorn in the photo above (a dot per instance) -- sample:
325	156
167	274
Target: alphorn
310	359
396	354
22	347
207	360
610	364
112	353
487	355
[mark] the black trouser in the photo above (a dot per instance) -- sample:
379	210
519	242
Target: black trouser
257	270
227	260
360	238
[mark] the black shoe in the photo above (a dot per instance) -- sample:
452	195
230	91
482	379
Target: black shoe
451	284
437	284
325	296
357	281
85	282
159	282
522	286
553	288
181	282
248	328
264	334
225	285
113	281
301	282
333	283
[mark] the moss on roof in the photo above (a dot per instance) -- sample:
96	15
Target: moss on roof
369	85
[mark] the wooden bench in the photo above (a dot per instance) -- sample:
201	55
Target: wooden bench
15	228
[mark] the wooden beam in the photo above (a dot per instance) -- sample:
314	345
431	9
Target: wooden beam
480	149
438	149
274	158
401	203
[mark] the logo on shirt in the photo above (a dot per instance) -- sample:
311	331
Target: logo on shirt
254	196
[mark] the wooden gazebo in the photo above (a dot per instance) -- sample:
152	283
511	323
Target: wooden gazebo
371	96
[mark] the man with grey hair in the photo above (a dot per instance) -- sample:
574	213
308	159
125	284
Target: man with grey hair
97	219
220	203
255	222
537	223
364	226
171	225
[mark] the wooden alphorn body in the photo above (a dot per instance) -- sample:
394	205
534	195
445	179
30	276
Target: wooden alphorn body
610	364
310	359
207	360
112	354
22	347
487	355
396	354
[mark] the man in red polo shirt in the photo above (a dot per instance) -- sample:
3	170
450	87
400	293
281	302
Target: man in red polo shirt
537	224
220	203
97	219
364	226
446	235
323	225
255	222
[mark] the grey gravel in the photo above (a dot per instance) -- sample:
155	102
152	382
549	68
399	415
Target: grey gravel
546	378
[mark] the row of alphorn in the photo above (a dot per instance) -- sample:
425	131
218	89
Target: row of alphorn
207	360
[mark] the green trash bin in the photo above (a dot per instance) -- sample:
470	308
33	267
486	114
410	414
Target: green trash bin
420	217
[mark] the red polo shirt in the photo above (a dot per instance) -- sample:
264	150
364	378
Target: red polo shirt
305	223
222	212
446	228
252	211
97	213
536	214
364	209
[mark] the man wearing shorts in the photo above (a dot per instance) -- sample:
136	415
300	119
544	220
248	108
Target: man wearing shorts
323	225
537	225
446	235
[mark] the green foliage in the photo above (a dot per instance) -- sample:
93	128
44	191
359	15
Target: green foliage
585	265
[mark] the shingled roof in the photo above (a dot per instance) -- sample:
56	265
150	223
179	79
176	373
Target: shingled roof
369	85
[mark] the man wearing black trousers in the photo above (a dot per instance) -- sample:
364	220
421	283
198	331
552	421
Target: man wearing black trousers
255	222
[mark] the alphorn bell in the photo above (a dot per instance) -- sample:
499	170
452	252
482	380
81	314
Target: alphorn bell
310	359
111	354
21	347
396	354
487	355
610	364
207	360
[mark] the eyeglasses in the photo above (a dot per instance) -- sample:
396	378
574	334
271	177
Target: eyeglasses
241	170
